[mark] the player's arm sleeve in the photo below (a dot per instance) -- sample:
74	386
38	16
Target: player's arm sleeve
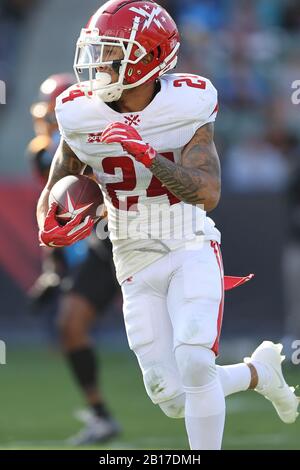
207	106
64	125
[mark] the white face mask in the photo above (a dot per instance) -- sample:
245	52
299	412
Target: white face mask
92	52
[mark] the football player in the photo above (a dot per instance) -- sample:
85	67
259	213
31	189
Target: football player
73	271
148	136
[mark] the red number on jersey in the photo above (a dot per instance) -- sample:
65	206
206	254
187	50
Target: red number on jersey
191	81
73	95
157	189
126	165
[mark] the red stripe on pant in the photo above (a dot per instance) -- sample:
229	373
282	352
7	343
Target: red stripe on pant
217	251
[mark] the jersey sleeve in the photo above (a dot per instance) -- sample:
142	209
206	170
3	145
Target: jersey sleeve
66	114
192	99
206	108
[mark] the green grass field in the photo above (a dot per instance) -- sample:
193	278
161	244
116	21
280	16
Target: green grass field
38	399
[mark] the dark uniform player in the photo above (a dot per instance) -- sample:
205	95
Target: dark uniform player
75	271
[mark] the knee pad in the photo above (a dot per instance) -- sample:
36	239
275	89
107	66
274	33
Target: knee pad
161	383
175	407
196	365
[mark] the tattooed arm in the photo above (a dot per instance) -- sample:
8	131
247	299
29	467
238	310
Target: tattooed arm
64	163
196	180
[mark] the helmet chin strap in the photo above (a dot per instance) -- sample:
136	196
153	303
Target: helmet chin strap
112	93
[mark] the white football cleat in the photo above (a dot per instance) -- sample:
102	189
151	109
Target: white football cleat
277	390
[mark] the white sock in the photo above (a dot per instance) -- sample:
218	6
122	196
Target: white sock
234	378
205	416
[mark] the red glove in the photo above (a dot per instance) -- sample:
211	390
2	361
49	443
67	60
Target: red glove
131	142
55	235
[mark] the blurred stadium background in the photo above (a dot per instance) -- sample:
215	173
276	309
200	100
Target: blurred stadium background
249	49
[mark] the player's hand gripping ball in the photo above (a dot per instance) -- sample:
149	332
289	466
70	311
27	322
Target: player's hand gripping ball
76	203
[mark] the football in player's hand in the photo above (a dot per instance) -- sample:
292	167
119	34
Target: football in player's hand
77	195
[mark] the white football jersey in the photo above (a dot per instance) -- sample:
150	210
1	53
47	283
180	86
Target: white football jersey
145	220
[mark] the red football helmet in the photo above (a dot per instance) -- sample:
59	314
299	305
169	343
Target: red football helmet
42	111
120	35
50	89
